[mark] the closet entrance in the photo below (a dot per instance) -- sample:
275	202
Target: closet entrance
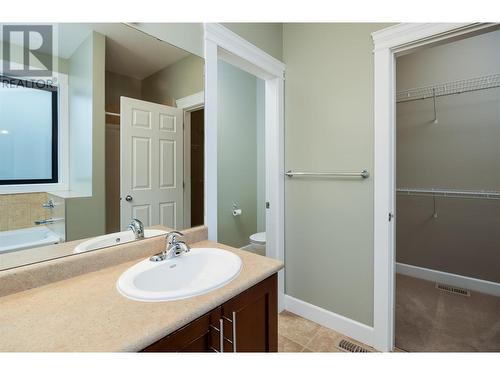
448	197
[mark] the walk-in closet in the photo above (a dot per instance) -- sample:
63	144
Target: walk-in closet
448	196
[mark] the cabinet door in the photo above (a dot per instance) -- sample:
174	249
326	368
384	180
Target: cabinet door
250	320
201	335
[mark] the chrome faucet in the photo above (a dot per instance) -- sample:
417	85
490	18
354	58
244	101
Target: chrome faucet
173	248
49	205
138	228
48	221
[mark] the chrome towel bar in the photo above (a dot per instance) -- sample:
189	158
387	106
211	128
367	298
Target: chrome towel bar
363	174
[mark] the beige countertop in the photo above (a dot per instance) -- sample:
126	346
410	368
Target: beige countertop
86	312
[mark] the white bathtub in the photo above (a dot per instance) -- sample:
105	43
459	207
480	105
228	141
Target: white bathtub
19	239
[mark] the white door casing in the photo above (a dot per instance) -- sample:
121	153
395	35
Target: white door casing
389	43
151	163
221	43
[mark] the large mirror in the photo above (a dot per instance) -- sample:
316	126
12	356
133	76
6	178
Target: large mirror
100	124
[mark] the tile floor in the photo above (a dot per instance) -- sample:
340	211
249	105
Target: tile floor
296	334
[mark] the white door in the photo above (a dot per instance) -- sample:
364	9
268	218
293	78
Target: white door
151	163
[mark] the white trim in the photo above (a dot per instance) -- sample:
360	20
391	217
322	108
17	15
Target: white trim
211	108
339	323
411	35
241	49
191	102
221	43
388	43
478	285
61	81
188	104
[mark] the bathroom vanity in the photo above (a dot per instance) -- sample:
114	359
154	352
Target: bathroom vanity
73	304
245	323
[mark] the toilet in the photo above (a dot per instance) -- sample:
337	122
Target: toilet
258	242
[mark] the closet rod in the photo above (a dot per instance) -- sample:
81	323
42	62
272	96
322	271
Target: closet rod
112	114
449	88
449	193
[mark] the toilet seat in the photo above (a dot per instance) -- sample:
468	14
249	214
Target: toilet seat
258	238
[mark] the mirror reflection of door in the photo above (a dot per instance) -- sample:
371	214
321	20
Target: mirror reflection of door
151	147
78	119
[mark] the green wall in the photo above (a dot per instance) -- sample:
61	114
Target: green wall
329	126
189	36
86	217
60	64
237	155
176	81
267	36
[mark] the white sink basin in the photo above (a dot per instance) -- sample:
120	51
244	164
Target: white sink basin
190	274
114	239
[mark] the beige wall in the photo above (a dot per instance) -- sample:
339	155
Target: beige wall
19	211
329	126
461	151
176	81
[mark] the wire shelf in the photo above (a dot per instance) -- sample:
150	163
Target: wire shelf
449	193
449	88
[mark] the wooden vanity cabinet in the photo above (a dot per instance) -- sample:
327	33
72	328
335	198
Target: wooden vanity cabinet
245	323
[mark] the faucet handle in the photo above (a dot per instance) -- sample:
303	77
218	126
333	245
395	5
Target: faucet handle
172	236
181	247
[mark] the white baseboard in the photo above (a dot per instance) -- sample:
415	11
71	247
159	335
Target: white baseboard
248	247
339	323
478	285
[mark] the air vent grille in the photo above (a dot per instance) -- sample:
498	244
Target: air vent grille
351	347
453	290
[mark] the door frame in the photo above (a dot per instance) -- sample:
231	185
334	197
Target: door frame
189	104
388	44
223	44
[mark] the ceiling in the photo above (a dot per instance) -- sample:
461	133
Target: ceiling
128	51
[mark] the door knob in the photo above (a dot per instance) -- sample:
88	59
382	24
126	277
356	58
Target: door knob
128	198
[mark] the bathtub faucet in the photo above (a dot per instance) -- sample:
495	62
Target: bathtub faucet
50	204
48	221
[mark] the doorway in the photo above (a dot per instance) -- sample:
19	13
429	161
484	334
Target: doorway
161	92
195	184
390	43
447	196
222	44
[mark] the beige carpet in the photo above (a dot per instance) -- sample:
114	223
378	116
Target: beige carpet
430	320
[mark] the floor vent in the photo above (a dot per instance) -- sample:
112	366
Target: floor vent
453	290
351	347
